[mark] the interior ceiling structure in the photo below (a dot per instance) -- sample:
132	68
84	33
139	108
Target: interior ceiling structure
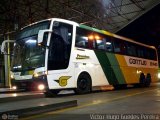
111	15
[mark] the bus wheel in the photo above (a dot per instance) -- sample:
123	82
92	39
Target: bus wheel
84	84
142	80
51	93
137	85
148	80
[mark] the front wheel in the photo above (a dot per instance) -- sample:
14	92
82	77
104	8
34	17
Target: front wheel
84	84
51	93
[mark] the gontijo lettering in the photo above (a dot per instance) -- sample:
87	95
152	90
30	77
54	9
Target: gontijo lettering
137	61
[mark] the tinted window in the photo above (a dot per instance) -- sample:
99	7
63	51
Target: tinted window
33	30
82	38
94	40
109	44
119	46
100	41
140	52
60	46
150	54
131	49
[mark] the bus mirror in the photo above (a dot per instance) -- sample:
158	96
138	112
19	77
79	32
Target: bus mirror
41	35
4	46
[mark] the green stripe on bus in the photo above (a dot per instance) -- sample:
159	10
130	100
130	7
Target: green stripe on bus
106	66
116	68
91	28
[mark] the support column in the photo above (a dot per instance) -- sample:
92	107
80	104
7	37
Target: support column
7	65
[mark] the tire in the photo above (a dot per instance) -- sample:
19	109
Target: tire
51	93
84	84
137	85
148	80
142	80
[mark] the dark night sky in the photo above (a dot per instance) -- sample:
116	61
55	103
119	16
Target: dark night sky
145	29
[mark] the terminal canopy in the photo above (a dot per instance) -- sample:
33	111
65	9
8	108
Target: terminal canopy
111	15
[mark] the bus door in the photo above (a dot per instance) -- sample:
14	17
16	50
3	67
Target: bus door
60	72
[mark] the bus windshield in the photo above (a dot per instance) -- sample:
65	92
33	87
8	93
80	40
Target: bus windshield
27	54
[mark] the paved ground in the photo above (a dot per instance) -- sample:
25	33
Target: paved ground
128	104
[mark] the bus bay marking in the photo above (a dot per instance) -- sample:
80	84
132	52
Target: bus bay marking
63	80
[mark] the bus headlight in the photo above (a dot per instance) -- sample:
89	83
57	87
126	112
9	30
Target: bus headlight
41	87
158	75
37	74
14	87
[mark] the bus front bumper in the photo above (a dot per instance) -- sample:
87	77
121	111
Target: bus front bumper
36	83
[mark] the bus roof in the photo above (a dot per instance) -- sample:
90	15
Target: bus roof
34	23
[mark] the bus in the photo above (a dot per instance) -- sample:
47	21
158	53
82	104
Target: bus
57	54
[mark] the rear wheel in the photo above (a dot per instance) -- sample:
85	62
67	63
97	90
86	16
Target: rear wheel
142	80
137	85
84	84
148	80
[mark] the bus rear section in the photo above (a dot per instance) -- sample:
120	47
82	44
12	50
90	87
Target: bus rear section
117	61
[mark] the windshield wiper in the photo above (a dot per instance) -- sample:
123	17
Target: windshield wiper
29	68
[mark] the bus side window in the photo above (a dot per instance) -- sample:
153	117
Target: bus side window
153	54
100	42
131	50
140	52
150	54
81	38
119	46
81	41
109	44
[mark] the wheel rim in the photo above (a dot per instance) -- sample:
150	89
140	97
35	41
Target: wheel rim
83	84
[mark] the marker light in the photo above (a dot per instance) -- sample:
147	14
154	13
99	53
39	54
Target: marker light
139	71
41	87
97	37
12	76
14	87
39	44
90	37
37	74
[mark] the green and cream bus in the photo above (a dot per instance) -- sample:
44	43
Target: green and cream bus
57	54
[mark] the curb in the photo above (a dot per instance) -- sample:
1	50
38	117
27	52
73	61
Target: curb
40	109
20	98
11	91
